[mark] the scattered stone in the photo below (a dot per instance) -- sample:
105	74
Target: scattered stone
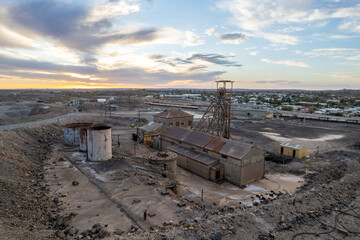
151	214
60	234
75	183
164	193
118	232
103	233
217	236
96	225
181	204
133	228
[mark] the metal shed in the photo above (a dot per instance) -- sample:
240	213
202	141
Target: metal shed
292	150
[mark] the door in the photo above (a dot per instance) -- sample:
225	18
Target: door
217	175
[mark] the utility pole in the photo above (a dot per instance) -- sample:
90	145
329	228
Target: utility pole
105	108
139	118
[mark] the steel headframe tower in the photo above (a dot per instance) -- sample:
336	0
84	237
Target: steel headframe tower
216	119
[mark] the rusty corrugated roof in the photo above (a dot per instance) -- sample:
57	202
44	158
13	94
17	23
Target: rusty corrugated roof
199	157
173	113
223	146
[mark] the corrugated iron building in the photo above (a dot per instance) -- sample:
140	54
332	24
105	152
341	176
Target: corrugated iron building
199	152
247	113
175	117
147	132
292	150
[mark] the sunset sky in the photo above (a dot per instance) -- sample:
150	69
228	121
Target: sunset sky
259	44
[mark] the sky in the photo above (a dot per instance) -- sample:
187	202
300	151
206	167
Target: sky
258	44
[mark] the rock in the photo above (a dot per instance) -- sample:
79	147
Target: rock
60	234
181	204
133	228
96	225
75	183
118	232
164	193
282	219
136	200
151	214
103	233
217	236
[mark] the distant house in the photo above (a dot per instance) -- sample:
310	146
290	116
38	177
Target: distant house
113	108
101	100
292	150
248	113
175	117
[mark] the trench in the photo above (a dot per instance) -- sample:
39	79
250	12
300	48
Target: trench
135	219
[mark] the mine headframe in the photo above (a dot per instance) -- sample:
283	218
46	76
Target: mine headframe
216	119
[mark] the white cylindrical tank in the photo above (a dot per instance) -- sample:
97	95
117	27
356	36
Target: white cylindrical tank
99	143
83	136
74	136
71	134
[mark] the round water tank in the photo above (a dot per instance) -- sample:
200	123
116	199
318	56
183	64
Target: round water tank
99	143
83	135
73	136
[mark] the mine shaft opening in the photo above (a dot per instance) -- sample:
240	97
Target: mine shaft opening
162	154
101	127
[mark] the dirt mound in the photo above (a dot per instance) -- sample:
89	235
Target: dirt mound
24	203
39	110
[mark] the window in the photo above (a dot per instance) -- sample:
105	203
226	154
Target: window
192	148
205	150
182	123
189	123
171	123
223	156
282	150
177	123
